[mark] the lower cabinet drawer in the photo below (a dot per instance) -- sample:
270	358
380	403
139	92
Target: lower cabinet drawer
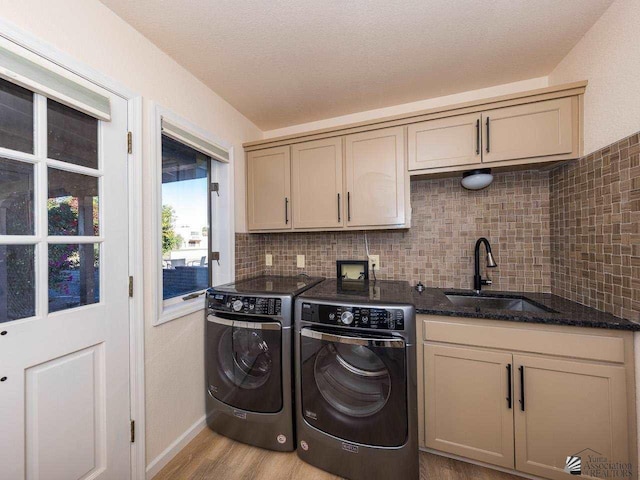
534	340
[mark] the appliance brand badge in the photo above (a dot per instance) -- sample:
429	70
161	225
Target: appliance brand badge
281	439
311	415
304	445
240	414
349	447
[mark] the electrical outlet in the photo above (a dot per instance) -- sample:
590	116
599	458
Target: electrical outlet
374	260
300	261
268	260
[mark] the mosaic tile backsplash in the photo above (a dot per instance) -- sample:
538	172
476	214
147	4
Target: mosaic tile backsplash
513	213
595	229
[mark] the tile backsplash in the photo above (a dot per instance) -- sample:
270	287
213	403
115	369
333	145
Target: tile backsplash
595	229
513	213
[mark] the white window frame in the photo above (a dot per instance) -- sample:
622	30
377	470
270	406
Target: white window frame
221	221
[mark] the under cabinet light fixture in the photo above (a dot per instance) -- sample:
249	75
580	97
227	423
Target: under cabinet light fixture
477	179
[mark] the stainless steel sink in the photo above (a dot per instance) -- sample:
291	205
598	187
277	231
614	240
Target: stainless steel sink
518	304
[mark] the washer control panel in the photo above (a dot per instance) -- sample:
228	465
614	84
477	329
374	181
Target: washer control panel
247	305
356	317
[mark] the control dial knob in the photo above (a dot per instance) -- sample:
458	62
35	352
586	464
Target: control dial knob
237	305
346	318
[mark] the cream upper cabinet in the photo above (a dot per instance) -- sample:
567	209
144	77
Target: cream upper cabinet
468	407
445	142
540	129
376	178
570	408
269	189
316	178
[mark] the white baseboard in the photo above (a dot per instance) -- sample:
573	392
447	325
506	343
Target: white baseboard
178	444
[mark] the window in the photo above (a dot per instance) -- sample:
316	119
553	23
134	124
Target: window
192	201
185	219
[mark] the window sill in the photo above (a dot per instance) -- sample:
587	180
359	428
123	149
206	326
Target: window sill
178	310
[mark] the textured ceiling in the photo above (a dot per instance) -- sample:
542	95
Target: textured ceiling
284	62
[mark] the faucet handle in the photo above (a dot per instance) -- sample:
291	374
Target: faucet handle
486	281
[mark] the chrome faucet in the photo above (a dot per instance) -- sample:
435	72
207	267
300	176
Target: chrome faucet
478	281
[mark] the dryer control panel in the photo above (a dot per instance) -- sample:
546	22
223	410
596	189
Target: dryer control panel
356	317
247	305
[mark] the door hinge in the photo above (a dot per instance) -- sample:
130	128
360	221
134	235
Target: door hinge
130	286
133	431
129	142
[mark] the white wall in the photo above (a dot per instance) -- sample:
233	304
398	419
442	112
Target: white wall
94	35
405	108
608	56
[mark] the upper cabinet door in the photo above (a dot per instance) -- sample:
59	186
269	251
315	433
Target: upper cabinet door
445	142
269	189
570	409
538	129
375	174
317	184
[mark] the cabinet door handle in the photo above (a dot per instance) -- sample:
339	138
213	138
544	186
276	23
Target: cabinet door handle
509	398
339	208
286	210
521	368
348	206
478	137
488	136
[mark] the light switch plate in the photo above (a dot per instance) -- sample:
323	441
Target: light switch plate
300	261
268	260
374	260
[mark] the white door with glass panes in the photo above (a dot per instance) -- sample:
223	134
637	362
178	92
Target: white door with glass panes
64	321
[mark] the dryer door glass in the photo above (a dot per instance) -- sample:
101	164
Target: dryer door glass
244	363
354	387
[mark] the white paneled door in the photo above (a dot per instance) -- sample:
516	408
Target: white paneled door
64	321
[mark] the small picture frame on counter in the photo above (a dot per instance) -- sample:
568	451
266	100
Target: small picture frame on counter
352	270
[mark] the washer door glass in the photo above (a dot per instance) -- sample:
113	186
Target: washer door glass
250	363
353	386
352	379
244	362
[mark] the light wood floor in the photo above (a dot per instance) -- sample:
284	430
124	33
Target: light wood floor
213	457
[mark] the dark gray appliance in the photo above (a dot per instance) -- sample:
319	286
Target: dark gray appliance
356	393
248	359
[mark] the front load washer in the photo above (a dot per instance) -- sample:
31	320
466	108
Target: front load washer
356	394
248	360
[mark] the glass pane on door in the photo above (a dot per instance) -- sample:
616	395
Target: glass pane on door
17	282
16	117
16	197
72	136
74	275
72	203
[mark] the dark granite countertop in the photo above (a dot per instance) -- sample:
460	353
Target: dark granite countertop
382	291
433	301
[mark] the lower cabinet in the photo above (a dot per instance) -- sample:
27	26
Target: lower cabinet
466	408
529	410
570	409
